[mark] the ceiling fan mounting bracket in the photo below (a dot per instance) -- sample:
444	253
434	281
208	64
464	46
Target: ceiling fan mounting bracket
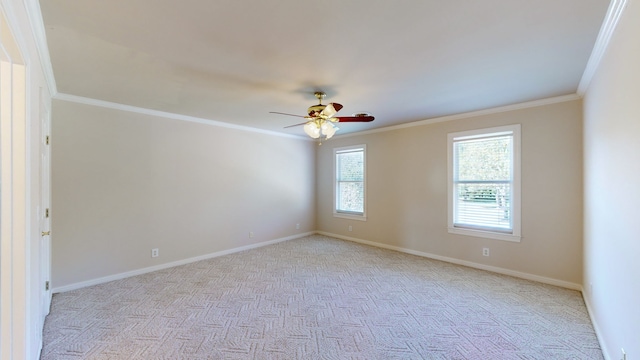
320	95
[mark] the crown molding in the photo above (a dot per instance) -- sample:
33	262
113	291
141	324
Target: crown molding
616	7
37	28
496	110
607	29
168	115
145	111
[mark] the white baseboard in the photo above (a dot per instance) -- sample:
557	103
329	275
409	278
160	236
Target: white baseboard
526	276
542	279
596	328
498	270
127	274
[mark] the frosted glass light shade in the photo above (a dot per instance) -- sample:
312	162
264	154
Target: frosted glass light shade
312	129
329	110
328	129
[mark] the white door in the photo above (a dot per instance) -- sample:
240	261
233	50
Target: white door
45	208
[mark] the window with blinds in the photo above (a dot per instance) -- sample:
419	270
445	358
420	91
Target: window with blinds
350	182
484	183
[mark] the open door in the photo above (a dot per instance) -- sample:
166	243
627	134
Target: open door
45	207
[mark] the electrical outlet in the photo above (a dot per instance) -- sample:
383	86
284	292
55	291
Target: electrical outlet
250	234
350	228
155	253
297	226
485	251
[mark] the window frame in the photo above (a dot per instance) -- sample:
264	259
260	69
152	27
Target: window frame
515	234
348	214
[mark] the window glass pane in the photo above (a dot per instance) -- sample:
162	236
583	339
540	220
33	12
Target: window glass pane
483	159
350	181
482	183
350	166
483	205
351	196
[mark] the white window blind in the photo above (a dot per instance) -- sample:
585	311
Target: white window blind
483	189
350	180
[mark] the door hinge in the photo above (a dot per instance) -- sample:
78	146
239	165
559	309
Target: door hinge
46	140
46	212
46	286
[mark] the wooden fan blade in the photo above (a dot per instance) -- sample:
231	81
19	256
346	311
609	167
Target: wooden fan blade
295	125
355	118
280	113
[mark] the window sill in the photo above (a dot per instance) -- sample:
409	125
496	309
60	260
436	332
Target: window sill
350	216
485	234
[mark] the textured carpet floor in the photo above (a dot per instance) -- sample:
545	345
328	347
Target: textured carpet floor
320	298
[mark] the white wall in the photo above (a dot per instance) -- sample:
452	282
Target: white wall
612	190
124	183
22	293
407	193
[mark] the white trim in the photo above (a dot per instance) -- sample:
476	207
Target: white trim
40	36
498	270
596	328
610	23
35	321
495	110
16	326
168	115
484	234
616	7
44	119
515	235
526	276
127	274
347	215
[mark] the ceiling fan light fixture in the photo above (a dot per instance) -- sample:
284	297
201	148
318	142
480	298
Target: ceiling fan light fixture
312	129
321	122
328	129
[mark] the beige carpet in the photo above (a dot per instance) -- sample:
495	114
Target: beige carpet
320	298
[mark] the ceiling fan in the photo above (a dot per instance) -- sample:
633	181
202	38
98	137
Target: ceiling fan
321	118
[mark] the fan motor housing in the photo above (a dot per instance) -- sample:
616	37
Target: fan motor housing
315	110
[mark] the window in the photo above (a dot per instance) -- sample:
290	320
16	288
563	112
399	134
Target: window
484	183
349	187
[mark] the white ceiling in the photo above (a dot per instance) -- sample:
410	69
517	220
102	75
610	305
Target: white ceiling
402	61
